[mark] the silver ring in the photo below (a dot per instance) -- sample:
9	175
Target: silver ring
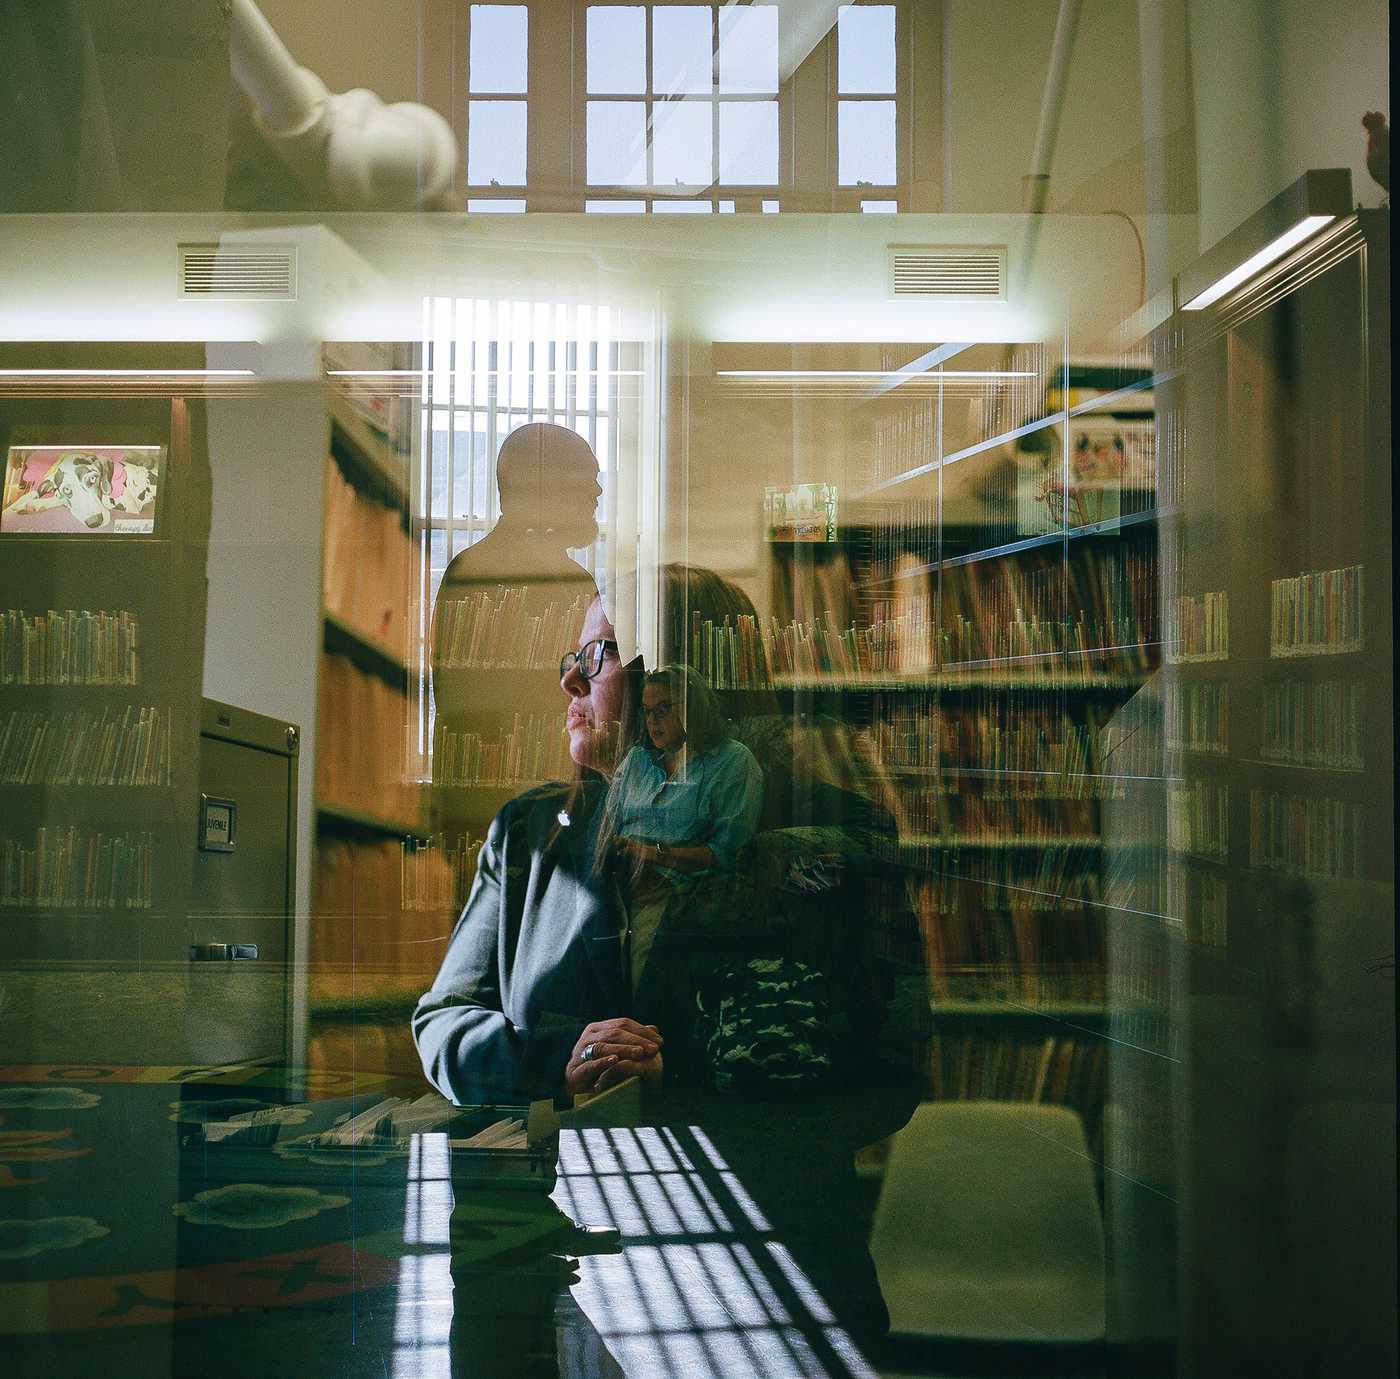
588	1053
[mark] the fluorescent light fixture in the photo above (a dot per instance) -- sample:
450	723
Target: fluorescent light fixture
876	373
1275	249
126	373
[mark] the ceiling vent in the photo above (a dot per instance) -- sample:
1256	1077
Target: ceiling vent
961	273
246	271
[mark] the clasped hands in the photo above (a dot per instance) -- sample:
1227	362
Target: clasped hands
621	1048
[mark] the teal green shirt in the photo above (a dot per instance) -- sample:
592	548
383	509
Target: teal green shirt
713	802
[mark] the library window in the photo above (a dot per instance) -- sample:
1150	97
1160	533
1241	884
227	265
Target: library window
680	98
866	104
497	113
493	365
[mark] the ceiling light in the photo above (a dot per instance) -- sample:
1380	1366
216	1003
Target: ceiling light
1275	249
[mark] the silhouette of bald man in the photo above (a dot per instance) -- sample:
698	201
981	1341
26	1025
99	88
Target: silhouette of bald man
507	610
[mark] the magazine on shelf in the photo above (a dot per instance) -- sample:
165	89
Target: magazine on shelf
82	490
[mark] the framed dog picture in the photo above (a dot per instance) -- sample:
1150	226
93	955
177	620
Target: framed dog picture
82	490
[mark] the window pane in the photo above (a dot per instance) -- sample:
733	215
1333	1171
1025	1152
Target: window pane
865	143
617	142
495	205
498	48
865	49
682	142
726	208
682	207
471	483
748	142
682	47
879	207
617	48
769	207
496	143
615	207
748	50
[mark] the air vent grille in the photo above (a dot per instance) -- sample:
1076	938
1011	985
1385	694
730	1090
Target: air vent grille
238	271
961	273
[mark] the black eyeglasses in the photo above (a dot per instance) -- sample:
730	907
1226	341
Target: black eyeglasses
588	658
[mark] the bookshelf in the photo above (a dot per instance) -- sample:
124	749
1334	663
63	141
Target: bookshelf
382	902
102	624
1277	451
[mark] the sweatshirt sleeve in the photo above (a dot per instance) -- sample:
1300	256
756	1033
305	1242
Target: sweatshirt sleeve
470	1050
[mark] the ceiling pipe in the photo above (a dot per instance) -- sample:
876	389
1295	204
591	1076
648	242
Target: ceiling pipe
371	156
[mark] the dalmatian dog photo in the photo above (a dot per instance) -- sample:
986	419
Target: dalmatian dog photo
101	489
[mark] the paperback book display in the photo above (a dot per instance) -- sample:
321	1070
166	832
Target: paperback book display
804	513
1317	614
77	646
76	869
130	747
437	875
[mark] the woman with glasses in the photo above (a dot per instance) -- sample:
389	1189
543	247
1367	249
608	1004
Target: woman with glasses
684	802
529	999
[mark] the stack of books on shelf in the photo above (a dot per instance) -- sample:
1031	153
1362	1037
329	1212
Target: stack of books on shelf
78	646
355	369
368	557
362	752
1314	723
1317	614
1198	717
130	747
1305	835
532	750
498	629
1022	394
366	940
76	869
1198	628
1198	819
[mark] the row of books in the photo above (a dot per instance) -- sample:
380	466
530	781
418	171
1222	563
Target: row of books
1015	390
1198	819
1059	1069
973	815
1046	741
381	410
1198	716
367	562
364	938
531	750
1314	723
1318	613
1198	627
438	872
505	628
1306	835
1049	880
74	869
1046	984
132	747
363	745
898	540
75	646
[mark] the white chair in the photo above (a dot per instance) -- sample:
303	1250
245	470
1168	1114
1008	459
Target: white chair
988	1226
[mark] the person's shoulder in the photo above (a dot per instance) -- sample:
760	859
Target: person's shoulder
731	752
